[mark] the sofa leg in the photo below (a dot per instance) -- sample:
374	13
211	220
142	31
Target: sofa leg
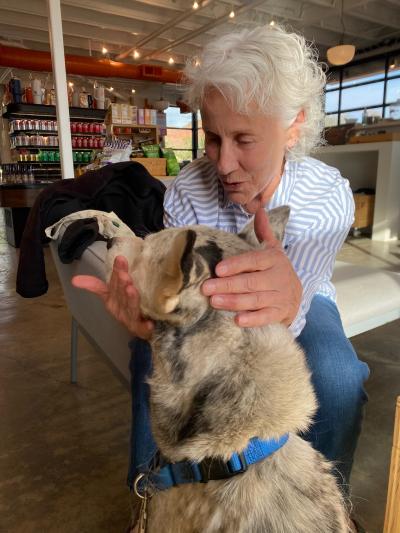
74	351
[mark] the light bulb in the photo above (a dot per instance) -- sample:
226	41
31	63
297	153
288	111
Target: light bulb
133	91
195	5
111	89
104	50
70	83
272	23
136	54
392	66
231	14
171	61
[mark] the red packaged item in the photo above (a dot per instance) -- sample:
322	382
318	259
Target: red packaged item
79	127
85	127
73	127
84	142
73	142
79	142
90	142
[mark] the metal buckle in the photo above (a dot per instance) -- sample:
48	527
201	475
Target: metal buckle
213	469
136	488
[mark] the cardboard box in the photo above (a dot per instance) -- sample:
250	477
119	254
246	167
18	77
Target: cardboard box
153	117
364	213
140	116
114	114
147	116
157	166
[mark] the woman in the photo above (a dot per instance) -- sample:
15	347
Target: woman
260	93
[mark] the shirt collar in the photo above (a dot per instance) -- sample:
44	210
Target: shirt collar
225	203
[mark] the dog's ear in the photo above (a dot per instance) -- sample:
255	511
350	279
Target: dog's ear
278	219
175	270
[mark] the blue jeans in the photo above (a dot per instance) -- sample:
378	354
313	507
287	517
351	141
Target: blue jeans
337	375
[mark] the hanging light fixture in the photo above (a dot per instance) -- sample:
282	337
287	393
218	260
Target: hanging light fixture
341	54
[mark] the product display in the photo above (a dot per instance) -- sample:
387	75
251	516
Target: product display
35	139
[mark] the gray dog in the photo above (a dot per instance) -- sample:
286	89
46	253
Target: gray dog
217	392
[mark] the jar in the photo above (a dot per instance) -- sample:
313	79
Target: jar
37	124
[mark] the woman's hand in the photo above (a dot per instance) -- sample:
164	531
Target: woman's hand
261	285
120	297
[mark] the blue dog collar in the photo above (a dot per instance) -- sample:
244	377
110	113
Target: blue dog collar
173	474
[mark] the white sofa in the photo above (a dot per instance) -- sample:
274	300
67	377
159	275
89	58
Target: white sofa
367	298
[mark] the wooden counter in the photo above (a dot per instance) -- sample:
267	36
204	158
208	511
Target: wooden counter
16	200
19	195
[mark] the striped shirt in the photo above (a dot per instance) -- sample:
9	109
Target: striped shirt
321	213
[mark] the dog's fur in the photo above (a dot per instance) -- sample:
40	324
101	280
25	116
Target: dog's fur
215	385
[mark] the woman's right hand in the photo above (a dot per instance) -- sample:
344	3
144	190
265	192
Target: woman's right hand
120	297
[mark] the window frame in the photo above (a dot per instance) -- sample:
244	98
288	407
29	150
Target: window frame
339	111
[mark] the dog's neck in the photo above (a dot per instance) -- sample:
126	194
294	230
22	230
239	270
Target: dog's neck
215	386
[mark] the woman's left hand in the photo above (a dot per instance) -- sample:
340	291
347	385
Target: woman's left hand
261	284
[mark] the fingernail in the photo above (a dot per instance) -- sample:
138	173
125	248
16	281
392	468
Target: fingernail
217	301
242	320
221	269
208	287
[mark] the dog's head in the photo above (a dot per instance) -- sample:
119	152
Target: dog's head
173	264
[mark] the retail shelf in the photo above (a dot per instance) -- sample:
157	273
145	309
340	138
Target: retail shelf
45	111
40	132
52	148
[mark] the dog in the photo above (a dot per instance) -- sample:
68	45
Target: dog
215	387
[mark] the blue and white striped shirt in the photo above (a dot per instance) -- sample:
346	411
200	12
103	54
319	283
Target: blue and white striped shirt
321	213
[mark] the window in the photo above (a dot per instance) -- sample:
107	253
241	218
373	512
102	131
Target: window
371	84
371	71
179	133
392	91
200	136
362	96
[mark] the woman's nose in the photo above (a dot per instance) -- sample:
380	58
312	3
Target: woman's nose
226	162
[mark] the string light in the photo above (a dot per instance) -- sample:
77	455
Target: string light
272	23
133	91
111	89
232	14
104	50
70	83
392	66
136	54
171	61
195	5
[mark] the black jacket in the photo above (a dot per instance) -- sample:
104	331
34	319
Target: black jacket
125	188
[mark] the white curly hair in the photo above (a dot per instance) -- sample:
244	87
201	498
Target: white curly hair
269	66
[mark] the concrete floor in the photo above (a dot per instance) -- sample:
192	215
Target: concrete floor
64	448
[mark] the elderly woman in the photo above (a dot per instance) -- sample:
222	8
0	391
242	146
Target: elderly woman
260	93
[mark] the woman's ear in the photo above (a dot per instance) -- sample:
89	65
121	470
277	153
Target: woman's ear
292	133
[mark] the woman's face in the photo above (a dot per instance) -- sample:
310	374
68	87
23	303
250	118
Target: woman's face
247	150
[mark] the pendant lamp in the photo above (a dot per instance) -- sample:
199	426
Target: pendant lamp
341	54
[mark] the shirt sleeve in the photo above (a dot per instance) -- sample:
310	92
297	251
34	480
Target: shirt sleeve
313	250
178	208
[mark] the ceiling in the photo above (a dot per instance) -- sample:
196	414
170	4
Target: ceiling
160	29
